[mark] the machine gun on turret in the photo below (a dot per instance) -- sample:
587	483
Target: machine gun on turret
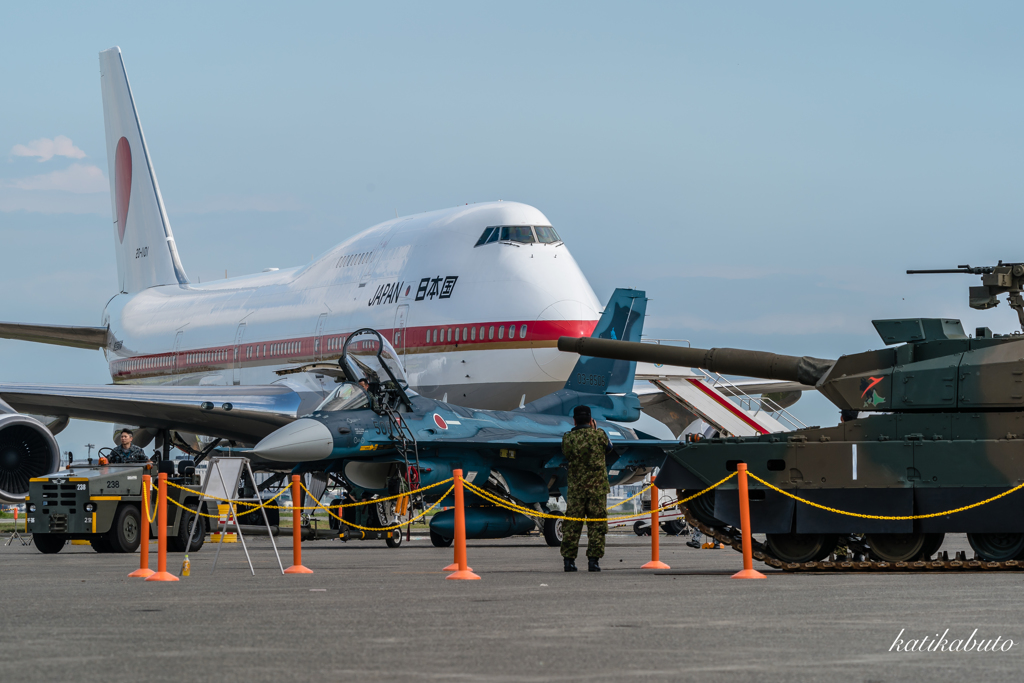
1004	278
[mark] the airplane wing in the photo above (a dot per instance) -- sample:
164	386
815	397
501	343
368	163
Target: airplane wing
240	413
61	335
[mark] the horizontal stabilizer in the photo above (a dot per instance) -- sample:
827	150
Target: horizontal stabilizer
61	335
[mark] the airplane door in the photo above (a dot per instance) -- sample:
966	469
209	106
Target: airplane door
318	337
401	321
177	347
236	372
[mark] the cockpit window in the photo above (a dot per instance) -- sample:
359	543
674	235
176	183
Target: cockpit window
517	233
349	396
546	234
522	234
483	237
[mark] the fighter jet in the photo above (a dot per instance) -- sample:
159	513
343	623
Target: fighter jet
374	430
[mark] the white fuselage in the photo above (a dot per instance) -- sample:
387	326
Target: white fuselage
420	280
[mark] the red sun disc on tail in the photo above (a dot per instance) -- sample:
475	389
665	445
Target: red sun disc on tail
439	421
122	183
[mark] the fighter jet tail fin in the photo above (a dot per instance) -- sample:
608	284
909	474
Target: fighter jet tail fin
146	254
623	319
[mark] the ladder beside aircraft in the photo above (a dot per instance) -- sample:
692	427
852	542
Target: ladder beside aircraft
405	441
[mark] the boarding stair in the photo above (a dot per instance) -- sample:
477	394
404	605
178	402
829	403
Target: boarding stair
718	401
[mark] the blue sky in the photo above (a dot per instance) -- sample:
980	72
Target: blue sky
765	171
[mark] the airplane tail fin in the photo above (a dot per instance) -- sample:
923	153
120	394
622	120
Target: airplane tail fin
146	253
623	319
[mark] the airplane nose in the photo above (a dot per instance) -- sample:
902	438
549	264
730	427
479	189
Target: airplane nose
301	440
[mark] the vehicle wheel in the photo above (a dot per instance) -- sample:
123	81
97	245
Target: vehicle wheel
801	547
394	539
703	508
100	544
674	527
932	543
176	543
553	532
126	532
997	547
331	521
895	547
640	530
255	518
49	543
440	541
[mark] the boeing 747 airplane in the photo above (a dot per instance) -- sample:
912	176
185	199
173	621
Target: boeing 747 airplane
473	299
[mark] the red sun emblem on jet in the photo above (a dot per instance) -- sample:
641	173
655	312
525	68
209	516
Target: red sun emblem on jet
122	183
439	421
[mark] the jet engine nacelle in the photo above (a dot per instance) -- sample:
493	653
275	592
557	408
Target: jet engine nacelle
27	449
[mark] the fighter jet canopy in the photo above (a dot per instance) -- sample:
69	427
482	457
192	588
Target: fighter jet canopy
368	355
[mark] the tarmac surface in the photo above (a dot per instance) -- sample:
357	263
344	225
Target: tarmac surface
370	613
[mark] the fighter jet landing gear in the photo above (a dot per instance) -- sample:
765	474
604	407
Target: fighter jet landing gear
374	516
440	541
553	532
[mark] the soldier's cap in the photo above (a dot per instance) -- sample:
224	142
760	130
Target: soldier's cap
581	414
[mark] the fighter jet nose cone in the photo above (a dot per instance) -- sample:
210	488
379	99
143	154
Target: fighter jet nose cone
301	440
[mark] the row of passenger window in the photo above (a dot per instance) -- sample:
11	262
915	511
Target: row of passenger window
207	356
144	363
524	234
278	349
353	259
487	333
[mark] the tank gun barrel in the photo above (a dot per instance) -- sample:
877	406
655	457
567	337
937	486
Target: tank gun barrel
760	364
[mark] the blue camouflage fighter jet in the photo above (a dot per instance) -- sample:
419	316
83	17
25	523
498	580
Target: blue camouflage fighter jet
380	437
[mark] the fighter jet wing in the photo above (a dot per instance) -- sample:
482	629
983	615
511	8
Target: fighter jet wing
241	413
512	439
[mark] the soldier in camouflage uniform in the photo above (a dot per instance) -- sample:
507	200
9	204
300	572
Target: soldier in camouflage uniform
585	448
126	452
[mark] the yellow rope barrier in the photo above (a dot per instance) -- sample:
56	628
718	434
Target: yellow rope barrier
194	512
534	513
885	517
308	507
641	491
145	502
385	528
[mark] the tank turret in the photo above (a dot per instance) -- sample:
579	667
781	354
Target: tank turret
934	445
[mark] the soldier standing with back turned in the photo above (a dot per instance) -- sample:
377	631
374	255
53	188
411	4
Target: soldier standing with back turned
585	448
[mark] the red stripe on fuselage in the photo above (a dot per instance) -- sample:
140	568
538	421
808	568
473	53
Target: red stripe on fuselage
483	336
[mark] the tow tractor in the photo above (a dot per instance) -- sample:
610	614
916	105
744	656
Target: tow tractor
103	505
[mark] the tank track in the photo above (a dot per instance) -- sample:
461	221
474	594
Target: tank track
731	536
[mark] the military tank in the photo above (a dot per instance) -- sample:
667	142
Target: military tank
932	423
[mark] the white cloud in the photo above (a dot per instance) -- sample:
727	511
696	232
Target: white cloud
77	178
46	149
